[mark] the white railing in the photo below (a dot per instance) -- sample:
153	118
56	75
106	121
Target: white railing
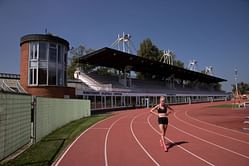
91	82
20	88
5	87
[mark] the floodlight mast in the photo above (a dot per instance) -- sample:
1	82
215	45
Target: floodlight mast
209	70
236	82
167	57
124	41
193	65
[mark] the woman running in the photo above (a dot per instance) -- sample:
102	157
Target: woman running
161	111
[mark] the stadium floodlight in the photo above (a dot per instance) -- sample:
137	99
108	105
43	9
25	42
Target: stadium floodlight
167	57
236	81
124	41
193	65
209	70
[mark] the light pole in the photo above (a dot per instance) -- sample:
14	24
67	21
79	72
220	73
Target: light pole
236	82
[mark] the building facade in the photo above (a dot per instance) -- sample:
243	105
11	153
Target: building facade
43	66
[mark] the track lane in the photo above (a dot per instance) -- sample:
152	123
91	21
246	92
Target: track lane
107	136
212	144
230	132
122	147
115	137
224	138
89	147
150	140
204	150
238	136
183	144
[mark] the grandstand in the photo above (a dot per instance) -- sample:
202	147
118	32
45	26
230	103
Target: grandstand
123	90
11	83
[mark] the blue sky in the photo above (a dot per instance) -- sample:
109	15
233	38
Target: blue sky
214	32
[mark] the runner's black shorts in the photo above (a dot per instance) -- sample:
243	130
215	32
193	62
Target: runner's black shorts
163	120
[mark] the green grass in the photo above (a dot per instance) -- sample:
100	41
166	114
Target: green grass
225	106
45	152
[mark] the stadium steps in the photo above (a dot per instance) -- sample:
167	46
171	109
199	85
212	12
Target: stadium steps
93	84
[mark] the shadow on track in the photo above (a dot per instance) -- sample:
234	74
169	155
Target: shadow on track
172	144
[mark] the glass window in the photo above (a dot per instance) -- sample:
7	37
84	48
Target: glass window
35	76
43	51
33	50
33	64
52	45
65	55
47	62
43	64
42	76
31	76
52	53
52	74
108	102
118	101
60	54
98	102
60	77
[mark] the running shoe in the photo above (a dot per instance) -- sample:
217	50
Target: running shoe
165	148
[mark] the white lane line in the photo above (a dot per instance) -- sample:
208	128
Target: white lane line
139	143
100	128
213	132
179	146
106	139
57	162
210	124
221	147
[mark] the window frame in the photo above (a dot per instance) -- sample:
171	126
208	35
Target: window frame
57	67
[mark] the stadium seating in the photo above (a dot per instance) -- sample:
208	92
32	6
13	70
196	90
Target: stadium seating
97	82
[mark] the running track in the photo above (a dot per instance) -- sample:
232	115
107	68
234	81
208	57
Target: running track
132	138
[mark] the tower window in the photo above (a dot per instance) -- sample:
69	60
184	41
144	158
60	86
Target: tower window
34	49
47	63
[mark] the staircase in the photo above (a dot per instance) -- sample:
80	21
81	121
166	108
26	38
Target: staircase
93	84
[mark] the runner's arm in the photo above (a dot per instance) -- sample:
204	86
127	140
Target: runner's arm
171	110
153	110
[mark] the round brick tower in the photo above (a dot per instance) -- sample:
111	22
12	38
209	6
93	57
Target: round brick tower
43	66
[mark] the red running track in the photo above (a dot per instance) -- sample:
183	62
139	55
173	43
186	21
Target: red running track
132	138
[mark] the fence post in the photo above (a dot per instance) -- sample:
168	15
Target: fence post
33	119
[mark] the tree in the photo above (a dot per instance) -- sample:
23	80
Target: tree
179	63
149	50
73	63
243	88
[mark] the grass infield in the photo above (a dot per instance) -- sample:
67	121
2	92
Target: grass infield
45	151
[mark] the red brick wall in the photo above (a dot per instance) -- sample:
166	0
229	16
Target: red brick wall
51	91
24	65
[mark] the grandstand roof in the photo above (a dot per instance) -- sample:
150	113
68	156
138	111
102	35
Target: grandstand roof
10	76
112	58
